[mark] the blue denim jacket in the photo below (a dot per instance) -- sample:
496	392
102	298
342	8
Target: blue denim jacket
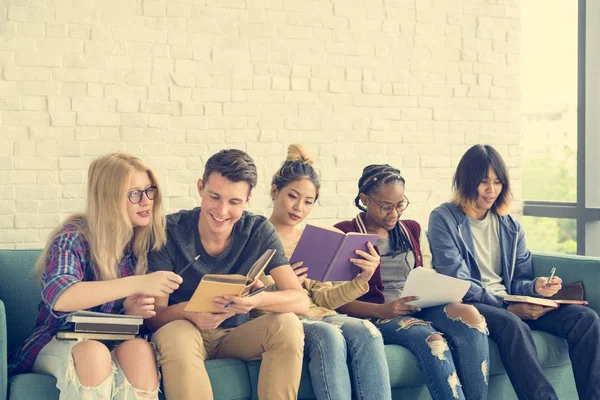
451	241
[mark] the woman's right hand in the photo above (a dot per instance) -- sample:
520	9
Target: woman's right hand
158	284
300	271
368	263
397	308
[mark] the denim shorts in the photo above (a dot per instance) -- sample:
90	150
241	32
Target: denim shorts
56	359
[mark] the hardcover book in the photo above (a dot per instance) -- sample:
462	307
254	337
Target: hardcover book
68	335
542	301
327	252
105	328
104	318
214	285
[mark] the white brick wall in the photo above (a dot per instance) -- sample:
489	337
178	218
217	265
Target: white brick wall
408	82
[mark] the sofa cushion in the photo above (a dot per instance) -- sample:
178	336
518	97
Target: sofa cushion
32	386
552	352
232	375
20	293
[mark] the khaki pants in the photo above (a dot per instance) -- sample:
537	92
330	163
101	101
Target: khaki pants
276	338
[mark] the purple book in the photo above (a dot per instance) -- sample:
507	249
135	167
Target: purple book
327	253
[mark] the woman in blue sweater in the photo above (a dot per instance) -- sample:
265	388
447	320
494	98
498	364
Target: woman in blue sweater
474	238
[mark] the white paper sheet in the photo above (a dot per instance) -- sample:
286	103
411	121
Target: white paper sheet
433	289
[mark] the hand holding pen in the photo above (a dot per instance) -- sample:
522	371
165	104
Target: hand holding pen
552	272
548	286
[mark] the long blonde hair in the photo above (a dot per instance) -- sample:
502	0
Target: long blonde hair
106	225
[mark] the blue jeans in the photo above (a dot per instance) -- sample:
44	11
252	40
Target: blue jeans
342	349
579	325
455	369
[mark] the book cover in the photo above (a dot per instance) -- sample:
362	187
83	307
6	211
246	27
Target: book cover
214	285
104	318
531	300
105	328
67	335
327	252
433	289
546	302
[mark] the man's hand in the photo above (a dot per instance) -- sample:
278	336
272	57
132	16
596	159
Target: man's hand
553	286
368	263
397	308
206	320
300	271
141	305
241	305
527	311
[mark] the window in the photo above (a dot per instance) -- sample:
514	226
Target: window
549	100
561	145
550	235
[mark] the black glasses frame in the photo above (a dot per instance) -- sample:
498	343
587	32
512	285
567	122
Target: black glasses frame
387	208
135	196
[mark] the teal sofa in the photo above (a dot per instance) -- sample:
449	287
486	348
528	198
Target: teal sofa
234	379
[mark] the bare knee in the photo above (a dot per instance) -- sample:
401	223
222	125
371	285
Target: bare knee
92	361
434	336
138	362
438	346
467	314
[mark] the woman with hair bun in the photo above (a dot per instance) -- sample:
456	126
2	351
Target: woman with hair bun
347	358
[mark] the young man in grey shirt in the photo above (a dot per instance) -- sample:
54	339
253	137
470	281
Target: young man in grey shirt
228	240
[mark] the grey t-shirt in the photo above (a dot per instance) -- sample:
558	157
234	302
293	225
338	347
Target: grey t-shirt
252	236
487	252
394	269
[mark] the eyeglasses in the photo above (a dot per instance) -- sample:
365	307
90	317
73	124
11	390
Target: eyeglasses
135	196
387	208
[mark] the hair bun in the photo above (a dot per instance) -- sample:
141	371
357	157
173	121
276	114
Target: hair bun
298	152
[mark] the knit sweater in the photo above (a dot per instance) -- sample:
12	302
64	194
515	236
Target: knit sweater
418	241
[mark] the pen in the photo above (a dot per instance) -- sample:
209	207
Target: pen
189	265
552	271
257	291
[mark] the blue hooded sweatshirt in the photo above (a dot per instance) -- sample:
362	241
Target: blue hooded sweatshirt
451	241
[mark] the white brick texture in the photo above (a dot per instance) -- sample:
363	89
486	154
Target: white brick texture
412	83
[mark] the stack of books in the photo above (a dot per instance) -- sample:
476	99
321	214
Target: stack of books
101	326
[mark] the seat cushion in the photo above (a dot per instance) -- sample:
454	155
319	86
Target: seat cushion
20	292
552	352
32	386
231	378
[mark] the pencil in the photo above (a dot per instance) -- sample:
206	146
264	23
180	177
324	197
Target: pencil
189	265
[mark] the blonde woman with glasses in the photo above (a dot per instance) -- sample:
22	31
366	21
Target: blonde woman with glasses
97	261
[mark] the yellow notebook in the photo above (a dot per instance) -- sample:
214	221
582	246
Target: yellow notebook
541	301
213	285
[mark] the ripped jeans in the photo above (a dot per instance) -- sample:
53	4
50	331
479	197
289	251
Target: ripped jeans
455	368
56	359
342	350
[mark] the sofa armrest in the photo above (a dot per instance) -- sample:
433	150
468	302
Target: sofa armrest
3	353
572	269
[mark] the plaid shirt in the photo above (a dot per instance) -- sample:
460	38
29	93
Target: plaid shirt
68	262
